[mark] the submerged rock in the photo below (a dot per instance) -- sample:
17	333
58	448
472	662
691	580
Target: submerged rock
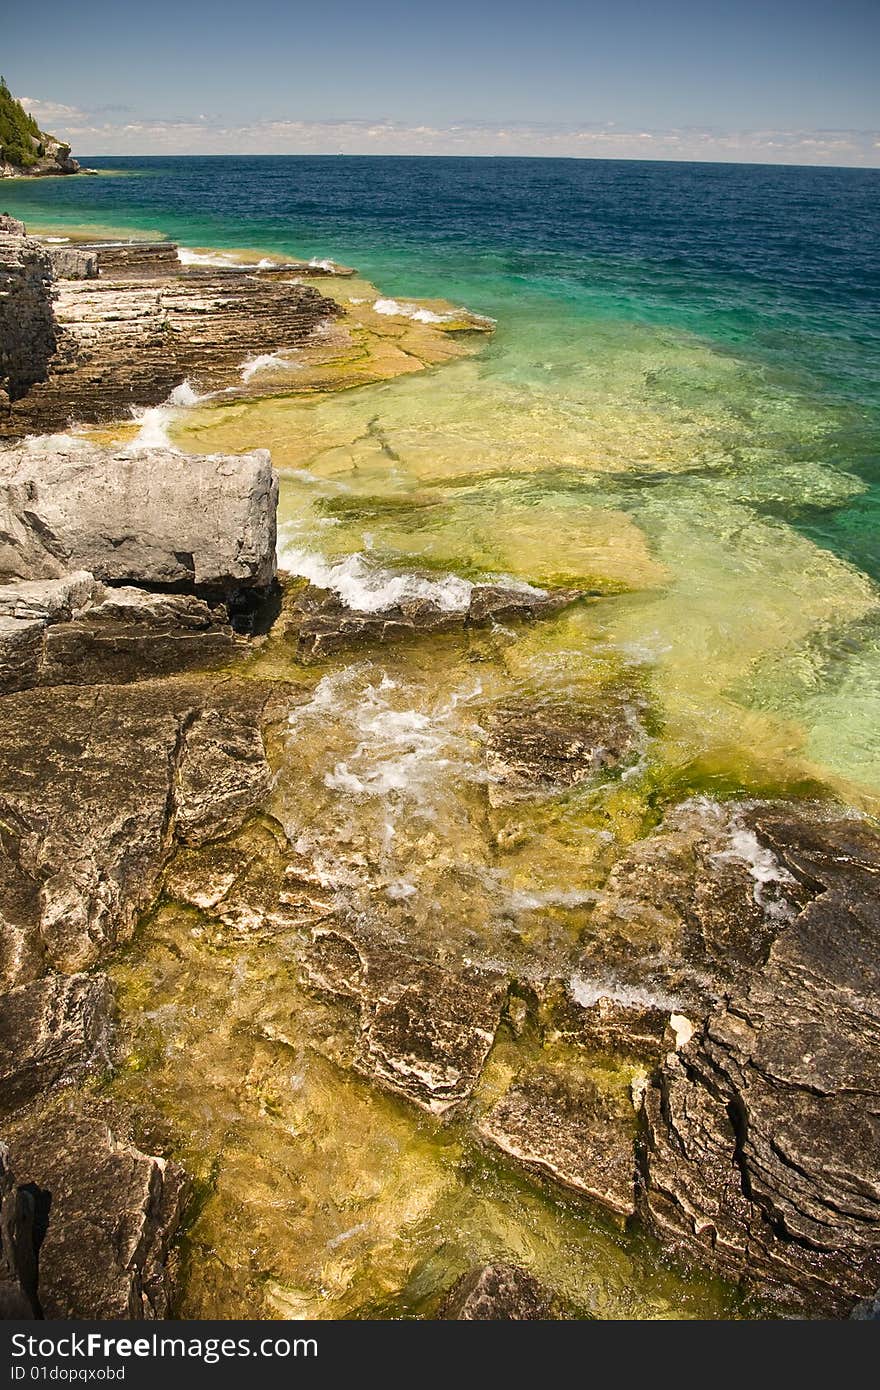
536	746
323	624
566	1127
110	1213
67	505
425	1031
498	1292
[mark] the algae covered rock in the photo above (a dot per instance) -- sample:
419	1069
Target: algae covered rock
497	1292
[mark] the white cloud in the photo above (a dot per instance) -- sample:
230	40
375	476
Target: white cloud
96	132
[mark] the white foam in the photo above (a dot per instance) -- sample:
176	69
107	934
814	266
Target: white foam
400	891
155	421
367	587
187	256
317	264
764	868
394	309
587	991
393	749
55	239
554	897
267	361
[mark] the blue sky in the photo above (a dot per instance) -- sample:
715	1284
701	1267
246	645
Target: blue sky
778	81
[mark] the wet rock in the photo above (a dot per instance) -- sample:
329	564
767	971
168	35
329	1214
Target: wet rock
68	505
688	911
246	884
50	1031
323	624
224	775
567	1128
425	1031
582	1017
497	1292
92	783
548	746
763	1147
112	1213
18	1247
491	603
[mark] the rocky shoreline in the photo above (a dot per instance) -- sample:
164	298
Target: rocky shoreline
708	1071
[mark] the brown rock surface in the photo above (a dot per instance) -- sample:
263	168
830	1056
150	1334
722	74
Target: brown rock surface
95	786
425	1031
763	1150
323	624
112	1213
51	1030
563	1126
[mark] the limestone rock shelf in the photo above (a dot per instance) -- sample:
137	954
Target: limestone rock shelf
105	328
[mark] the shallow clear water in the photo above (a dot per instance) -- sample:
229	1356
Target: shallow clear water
678	410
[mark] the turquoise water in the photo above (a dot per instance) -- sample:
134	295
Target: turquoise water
693	347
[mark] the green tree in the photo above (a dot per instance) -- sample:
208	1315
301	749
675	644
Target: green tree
20	136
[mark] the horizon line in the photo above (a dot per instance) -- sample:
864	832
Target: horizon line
530	158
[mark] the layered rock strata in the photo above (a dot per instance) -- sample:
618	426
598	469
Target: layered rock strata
110	328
